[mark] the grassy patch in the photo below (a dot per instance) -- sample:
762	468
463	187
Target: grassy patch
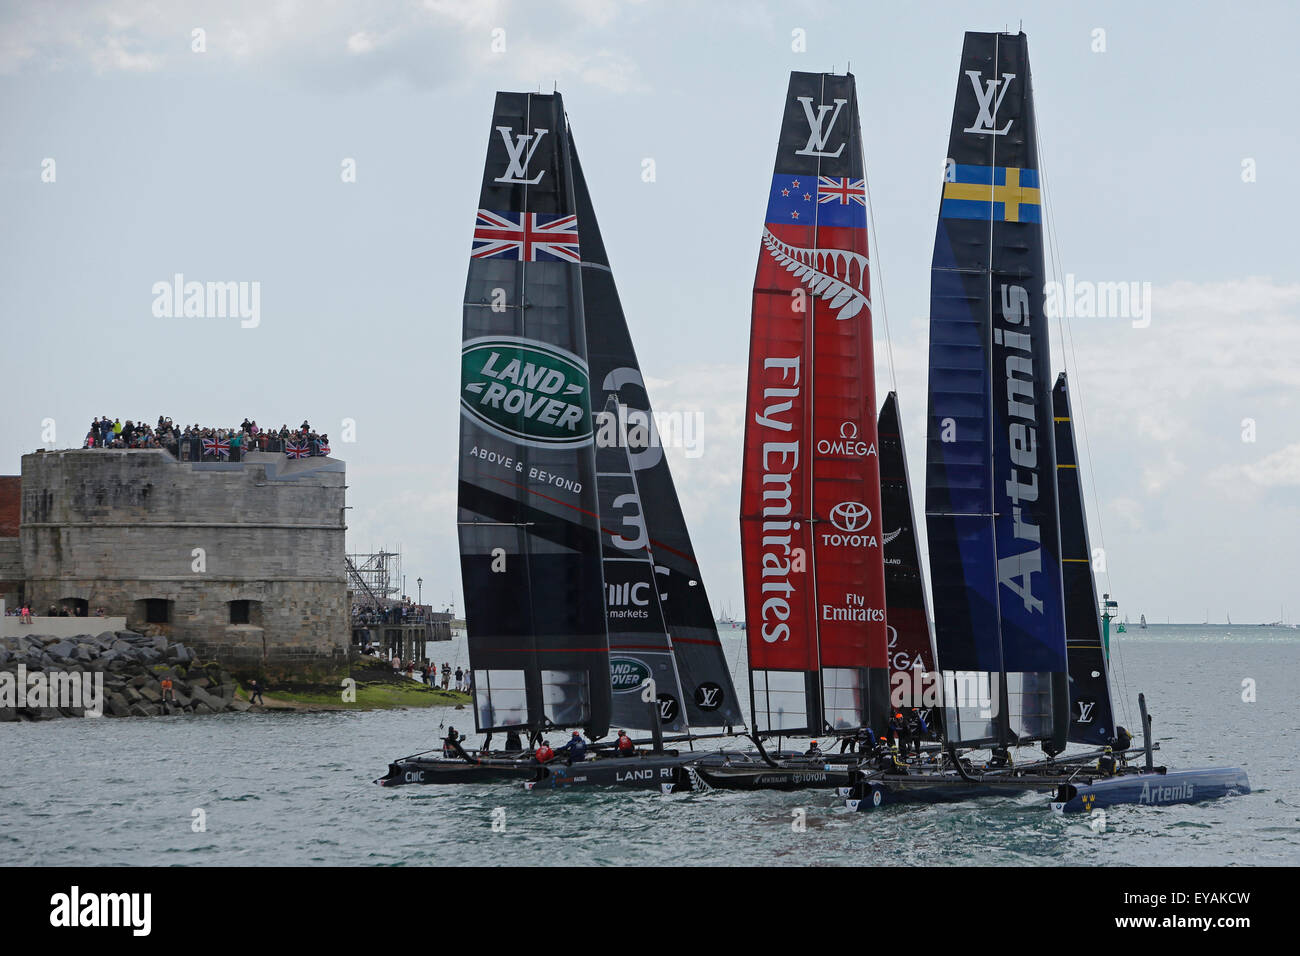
371	696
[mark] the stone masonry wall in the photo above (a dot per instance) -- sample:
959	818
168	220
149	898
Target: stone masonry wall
118	527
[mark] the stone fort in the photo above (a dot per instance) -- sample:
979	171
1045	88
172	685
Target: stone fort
242	560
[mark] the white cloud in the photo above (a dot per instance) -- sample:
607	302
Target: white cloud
432	43
361	43
1281	469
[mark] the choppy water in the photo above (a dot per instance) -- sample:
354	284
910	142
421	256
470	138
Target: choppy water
296	789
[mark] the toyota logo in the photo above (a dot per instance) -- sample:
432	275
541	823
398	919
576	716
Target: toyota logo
850	516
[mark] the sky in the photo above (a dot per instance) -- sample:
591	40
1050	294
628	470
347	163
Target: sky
213	140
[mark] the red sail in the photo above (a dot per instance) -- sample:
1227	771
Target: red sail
810	493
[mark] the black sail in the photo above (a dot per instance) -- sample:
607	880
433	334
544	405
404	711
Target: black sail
530	552
911	645
708	695
1092	718
639	646
990	502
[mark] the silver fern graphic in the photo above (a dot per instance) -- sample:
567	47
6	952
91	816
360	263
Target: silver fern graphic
891	536
836	276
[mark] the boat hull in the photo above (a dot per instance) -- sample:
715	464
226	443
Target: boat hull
665	773
649	772
749	777
869	795
1152	789
437	771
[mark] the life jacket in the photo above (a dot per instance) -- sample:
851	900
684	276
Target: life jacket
544	754
624	742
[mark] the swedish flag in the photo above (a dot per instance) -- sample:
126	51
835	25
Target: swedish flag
1000	193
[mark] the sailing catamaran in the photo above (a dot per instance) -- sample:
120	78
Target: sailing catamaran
811	538
1017	631
584	604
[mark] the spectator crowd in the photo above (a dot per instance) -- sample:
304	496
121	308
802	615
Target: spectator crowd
198	442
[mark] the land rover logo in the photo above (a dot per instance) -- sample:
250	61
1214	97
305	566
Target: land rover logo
850	516
526	391
627	673
708	696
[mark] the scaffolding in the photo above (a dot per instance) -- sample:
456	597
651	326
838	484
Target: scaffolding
376	578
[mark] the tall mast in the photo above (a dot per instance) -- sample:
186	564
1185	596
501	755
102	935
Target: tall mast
527	525
810	488
991	502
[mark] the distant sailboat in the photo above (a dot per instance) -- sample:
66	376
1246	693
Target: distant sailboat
1142	622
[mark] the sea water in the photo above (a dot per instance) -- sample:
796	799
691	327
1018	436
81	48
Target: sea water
298	788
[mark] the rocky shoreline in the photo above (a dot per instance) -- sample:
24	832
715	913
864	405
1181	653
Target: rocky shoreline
132	666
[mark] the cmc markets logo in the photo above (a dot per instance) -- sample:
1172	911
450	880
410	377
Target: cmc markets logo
526	391
627	673
851	516
708	696
848	445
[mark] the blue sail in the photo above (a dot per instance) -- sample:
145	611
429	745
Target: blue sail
991	500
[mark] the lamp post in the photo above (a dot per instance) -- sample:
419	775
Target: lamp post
419	583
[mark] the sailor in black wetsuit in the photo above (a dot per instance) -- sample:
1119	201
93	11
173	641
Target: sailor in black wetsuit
1106	763
859	743
513	743
897	732
813	750
451	746
1001	757
1123	740
918	729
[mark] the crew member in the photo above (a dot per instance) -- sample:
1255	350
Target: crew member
544	753
623	747
1123	740
897	734
919	729
1106	763
576	749
451	746
513	743
813	750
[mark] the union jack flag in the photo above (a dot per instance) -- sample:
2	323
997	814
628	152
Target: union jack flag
526	237
322	448
844	191
296	449
216	446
